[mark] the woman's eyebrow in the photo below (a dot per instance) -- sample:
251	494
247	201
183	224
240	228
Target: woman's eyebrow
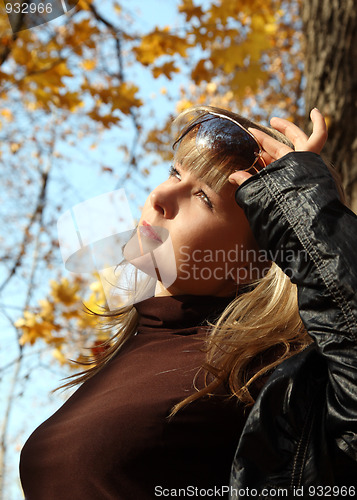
200	179
213	191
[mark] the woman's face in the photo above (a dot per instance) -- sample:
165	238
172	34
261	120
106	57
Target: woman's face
209	233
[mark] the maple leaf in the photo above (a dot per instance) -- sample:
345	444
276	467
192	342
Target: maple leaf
191	10
64	292
158	43
123	98
107	120
201	73
47	310
166	69
34	328
59	356
88	64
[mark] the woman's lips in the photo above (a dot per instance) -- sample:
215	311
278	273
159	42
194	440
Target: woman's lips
147	230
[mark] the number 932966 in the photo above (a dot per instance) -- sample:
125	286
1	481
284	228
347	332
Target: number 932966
28	8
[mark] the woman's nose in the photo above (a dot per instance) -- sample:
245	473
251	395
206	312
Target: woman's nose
163	199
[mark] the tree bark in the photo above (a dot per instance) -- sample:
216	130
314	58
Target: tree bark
330	28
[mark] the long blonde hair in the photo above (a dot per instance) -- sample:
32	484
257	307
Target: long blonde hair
261	320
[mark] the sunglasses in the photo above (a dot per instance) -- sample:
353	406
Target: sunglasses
219	133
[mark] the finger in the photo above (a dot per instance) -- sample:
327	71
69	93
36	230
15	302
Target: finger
319	134
291	131
266	158
239	177
274	148
301	141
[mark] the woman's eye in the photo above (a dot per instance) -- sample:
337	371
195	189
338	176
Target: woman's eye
205	199
173	172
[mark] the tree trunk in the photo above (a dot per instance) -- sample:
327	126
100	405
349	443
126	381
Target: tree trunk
331	81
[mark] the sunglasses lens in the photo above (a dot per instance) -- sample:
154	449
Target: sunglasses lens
217	136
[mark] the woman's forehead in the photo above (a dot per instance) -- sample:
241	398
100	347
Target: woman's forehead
209	170
226	192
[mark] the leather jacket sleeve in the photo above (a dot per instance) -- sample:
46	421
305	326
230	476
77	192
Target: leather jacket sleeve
296	215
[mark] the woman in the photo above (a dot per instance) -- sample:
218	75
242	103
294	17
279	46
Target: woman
161	413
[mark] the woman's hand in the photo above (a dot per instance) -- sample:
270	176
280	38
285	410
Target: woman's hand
273	149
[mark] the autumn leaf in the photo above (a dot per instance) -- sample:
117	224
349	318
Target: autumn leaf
124	98
88	64
166	69
106	120
34	328
59	356
190	10
201	73
14	147
159	43
46	310
49	74
64	291
7	113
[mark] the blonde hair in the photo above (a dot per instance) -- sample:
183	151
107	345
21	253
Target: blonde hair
258	330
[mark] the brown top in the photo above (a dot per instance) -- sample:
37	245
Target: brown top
112	439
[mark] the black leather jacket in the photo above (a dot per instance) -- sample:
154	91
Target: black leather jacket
301	434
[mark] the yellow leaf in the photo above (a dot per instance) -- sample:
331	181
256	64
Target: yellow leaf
49	74
59	356
211	87
271	28
70	100
14	147
183	105
88	64
71	313
34	328
84	4
123	97
248	79
80	35
190	10
62	69
7	113
107	120
200	72
28	320
20	54
64	292
96	301
166	69
47	310
159	43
